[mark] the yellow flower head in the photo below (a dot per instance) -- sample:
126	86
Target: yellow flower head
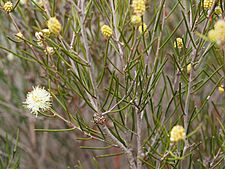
138	7
177	133
136	20
218	33
142	28
178	43
207	4
189	67
106	31
8	7
221	89
54	25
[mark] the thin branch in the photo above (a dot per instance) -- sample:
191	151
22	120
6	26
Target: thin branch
139	139
75	127
126	150
117	35
94	101
194	55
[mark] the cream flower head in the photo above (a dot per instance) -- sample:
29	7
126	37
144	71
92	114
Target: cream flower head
38	100
177	133
8	7
218	33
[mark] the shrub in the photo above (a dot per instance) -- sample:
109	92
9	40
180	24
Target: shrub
138	82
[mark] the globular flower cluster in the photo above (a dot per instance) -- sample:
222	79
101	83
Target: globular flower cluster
8	7
138	11
218	33
207	4
54	25
177	133
189	67
142	28
138	7
38	100
136	20
178	43
106	31
221	89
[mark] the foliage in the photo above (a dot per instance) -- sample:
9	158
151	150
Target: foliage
117	92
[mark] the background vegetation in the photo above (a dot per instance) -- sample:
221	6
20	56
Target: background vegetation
137	84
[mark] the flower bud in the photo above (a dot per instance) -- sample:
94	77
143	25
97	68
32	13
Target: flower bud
221	89
54	26
178	43
142	28
189	67
106	31
136	20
